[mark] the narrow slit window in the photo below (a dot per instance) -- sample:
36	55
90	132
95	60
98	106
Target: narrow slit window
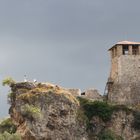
125	49
135	49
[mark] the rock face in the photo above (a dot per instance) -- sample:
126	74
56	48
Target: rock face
121	124
48	112
44	112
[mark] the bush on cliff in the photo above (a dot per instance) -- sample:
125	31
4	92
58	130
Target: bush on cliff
96	108
30	111
8	81
7	126
8	136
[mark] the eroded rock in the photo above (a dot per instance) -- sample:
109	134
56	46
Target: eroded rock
44	112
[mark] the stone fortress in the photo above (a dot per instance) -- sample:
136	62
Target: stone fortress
123	86
43	111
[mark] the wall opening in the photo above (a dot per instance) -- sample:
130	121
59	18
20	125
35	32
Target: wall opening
125	49
135	49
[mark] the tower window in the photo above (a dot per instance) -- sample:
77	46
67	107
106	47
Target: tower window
135	49
125	49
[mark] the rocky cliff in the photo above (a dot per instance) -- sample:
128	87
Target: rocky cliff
43	111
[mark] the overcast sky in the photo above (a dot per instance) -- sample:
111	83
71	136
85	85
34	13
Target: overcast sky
63	41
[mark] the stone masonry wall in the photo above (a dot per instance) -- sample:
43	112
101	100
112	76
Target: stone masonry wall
126	86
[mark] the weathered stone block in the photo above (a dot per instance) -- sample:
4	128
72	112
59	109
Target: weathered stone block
74	92
93	94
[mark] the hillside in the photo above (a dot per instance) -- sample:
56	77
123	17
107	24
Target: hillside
41	111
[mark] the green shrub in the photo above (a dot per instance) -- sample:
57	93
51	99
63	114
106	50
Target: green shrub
30	111
136	123
8	136
8	81
96	108
100	108
8	126
83	101
108	135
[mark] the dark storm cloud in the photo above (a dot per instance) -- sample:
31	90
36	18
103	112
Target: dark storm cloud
63	41
92	19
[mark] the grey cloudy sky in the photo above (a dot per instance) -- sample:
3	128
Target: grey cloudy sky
63	41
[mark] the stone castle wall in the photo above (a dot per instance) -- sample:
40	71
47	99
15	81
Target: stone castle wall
126	80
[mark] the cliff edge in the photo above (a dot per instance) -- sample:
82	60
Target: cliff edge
45	112
42	111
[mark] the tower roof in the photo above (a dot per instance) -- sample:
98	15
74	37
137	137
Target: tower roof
128	42
125	43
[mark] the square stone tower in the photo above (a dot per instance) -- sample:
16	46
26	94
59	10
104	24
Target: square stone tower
123	86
